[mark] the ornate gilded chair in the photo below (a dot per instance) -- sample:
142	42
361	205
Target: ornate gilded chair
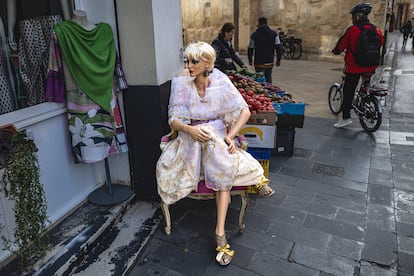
204	193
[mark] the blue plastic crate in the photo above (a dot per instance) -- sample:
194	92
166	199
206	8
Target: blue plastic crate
260	153
289	108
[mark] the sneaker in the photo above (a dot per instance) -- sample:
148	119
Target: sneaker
343	123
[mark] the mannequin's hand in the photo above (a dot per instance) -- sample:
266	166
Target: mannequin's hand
199	133
232	147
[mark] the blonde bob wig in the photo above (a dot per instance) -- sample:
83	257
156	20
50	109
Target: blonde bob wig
200	50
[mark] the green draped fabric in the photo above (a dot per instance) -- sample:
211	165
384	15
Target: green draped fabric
90	57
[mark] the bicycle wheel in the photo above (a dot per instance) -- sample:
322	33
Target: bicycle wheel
297	50
335	99
286	49
371	117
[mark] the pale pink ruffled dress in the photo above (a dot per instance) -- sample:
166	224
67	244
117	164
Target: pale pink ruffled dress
185	161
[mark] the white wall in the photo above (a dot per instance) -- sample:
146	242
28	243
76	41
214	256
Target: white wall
150	35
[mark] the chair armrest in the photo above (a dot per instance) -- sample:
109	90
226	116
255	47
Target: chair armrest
243	142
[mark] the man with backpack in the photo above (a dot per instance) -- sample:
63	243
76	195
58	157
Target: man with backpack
362	44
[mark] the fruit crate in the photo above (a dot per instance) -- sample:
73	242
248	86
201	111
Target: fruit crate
260	153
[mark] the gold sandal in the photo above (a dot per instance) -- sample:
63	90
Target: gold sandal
263	188
224	255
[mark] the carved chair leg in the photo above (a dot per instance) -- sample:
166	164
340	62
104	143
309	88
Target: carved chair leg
244	201
167	217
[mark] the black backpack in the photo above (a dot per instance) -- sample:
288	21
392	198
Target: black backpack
368	47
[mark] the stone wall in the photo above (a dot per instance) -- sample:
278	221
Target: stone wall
318	22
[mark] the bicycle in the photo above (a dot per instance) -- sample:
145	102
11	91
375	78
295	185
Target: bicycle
291	46
366	103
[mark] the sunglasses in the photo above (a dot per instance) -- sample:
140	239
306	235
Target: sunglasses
193	61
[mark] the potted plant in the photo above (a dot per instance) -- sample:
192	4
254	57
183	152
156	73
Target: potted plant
20	183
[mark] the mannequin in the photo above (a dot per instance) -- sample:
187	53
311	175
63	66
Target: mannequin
11	16
80	17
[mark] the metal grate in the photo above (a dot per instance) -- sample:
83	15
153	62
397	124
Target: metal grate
328	170
409	138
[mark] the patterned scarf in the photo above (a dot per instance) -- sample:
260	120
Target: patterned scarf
90	57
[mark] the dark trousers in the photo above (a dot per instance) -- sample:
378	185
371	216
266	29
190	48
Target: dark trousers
350	84
267	73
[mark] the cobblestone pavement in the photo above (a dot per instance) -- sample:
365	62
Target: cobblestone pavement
345	199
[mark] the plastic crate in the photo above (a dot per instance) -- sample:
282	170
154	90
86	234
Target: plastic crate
260	153
265	164
289	108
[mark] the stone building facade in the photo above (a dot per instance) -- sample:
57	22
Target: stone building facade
318	22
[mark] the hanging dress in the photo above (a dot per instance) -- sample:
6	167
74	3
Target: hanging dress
92	77
8	101
35	25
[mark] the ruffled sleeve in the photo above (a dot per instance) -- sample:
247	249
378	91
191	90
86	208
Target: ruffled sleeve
233	102
178	108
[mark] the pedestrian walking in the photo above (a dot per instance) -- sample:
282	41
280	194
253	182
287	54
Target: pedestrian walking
406	30
226	56
357	62
263	43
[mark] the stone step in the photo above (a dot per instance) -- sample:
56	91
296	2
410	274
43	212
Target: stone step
99	240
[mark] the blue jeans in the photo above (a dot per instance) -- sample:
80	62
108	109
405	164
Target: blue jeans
267	73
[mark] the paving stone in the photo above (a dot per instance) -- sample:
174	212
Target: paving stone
322	261
301	235
380	247
345	183
404	200
345	248
258	223
305	174
269	265
404	216
296	203
150	269
353	172
381	150
177	259
381	163
380	217
406	245
244	255
381	177
406	262
231	270
404	229
381	195
279	213
264	242
341	229
368	269
355	218
342	202
291	190
403	183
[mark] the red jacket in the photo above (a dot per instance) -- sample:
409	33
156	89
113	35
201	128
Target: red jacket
347	43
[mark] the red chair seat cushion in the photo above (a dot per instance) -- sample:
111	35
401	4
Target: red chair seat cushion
202	189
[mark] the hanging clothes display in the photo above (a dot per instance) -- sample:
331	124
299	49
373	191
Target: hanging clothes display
8	101
93	76
35	24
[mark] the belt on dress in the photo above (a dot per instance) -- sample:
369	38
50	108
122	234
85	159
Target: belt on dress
199	122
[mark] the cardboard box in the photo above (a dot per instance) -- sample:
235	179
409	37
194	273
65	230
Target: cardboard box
263	118
259	136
